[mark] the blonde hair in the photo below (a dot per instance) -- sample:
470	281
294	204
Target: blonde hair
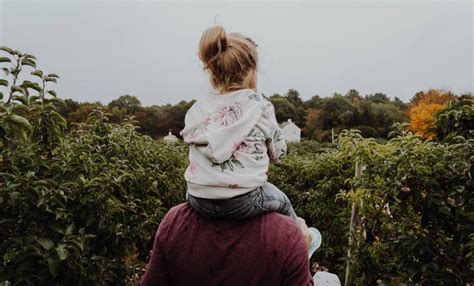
230	59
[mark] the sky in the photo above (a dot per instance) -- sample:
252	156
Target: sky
104	49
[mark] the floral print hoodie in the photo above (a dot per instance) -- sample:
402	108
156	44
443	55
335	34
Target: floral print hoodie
232	139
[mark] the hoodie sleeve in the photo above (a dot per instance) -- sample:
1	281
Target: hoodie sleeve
218	135
275	142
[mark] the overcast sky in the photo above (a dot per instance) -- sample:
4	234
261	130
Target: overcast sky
104	49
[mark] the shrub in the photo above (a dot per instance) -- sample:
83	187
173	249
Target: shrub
77	208
82	207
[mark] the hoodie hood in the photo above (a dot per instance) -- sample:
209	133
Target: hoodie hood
218	123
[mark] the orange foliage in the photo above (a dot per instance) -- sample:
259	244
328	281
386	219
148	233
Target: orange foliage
423	110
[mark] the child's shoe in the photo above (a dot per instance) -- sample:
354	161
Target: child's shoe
315	240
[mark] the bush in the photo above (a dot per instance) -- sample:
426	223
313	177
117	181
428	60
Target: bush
457	119
77	208
85	215
82	207
415	201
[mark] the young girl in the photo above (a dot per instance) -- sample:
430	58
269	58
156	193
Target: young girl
233	135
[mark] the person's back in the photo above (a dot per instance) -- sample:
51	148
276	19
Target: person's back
192	250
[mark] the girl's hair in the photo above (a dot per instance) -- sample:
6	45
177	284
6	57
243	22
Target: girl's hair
231	59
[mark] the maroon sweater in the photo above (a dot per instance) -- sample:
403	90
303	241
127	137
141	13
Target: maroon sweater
191	250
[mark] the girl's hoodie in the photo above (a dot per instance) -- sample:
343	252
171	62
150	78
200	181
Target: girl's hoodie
232	139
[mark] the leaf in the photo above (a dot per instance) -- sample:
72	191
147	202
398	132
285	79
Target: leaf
5	60
6	49
1	95
37	73
6	71
4	82
70	229
51	79
16	88
53	93
18	120
28	62
21	99
53	265
53	75
32	85
62	252
46	243
28	56
14	196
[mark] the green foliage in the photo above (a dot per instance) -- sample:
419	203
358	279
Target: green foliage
81	207
78	208
457	119
416	207
128	102
374	115
79	215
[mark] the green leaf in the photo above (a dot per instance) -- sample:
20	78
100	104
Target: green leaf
18	120
4	82
70	229
32	85
1	95
51	79
28	62
6	49
14	196
28	56
37	73
6	71
53	265
16	88
62	252
53	93
22	99
5	60
53	75
46	243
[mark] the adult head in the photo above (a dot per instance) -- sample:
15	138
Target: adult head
190	250
230	59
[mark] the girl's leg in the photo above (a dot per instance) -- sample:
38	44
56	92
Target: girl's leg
275	200
266	198
240	207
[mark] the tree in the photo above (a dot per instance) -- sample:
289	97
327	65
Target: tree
293	96
423	109
177	114
154	121
129	102
352	94
69	106
82	113
284	109
378	98
314	102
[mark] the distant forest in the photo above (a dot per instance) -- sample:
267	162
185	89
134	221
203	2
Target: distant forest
373	114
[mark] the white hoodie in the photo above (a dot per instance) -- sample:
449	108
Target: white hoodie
232	139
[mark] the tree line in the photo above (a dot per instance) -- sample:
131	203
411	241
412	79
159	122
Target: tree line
318	117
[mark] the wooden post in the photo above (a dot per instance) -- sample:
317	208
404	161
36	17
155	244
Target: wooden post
355	221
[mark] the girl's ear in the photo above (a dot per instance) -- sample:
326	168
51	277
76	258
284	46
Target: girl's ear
252	83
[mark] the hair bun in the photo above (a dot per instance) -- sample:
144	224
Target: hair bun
213	42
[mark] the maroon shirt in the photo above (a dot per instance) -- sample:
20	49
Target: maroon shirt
191	250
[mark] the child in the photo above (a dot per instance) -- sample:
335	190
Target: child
233	135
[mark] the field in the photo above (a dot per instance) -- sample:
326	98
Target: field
80	206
